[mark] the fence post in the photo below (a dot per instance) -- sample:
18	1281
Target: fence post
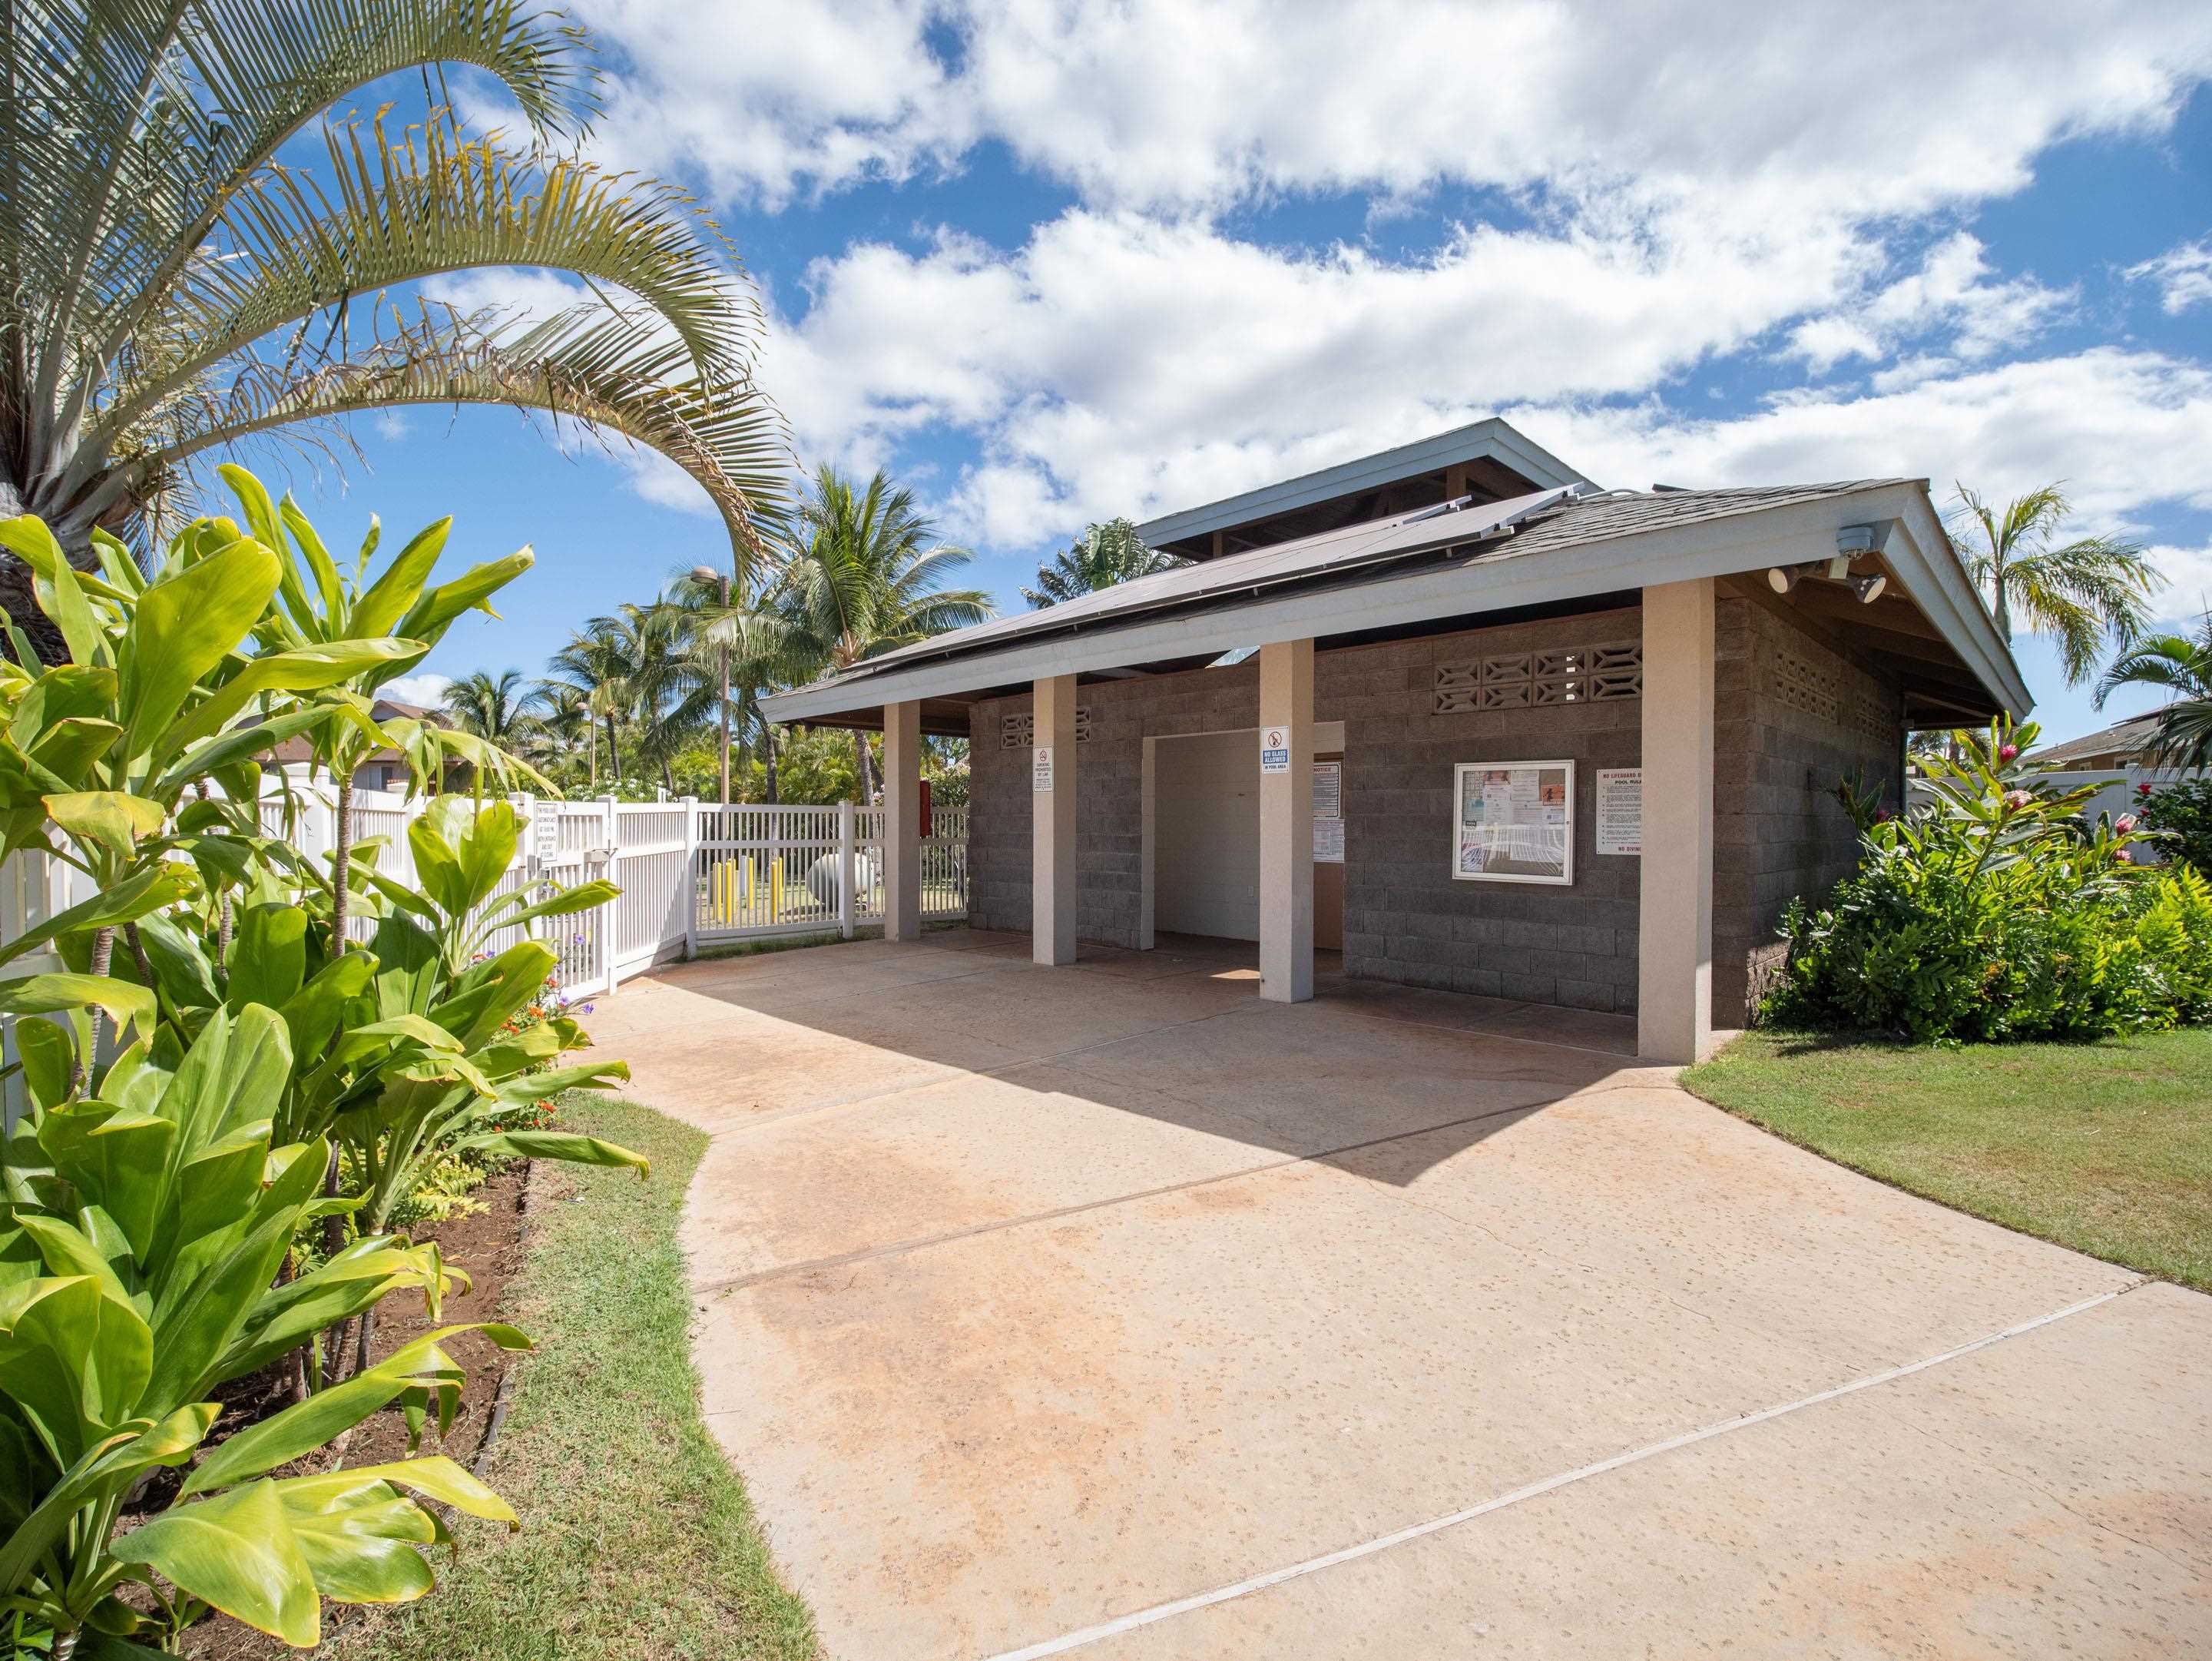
846	876
610	941
688	888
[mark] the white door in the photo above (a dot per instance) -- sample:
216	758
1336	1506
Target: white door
1206	835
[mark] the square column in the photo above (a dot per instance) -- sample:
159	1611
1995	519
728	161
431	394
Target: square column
1674	915
1052	847
902	851
1286	903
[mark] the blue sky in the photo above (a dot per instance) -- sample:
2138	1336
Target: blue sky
1050	263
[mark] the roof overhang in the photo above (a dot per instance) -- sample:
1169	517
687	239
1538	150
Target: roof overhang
1909	537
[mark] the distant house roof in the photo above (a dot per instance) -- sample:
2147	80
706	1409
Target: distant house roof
1424	568
301	749
2113	747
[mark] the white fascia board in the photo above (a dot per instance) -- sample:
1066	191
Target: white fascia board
1795	534
1918	549
1492	439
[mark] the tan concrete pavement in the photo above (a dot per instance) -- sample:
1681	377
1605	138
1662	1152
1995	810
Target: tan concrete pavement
1032	1300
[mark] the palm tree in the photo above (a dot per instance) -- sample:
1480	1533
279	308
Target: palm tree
168	289
1104	555
498	709
2181	665
670	697
594	666
2081	591
864	579
721	633
561	722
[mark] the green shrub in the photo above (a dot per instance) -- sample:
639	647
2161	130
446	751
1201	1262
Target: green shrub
1996	911
2182	815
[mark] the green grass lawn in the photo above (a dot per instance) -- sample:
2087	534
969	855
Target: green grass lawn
2104	1147
637	1538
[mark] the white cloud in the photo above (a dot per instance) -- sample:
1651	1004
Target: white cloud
391	425
1887	107
1954	294
426	690
2122	429
2186	600
2184	275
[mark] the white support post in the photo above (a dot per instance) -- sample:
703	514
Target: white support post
1285	765
1674	913
610	839
689	889
1052	841
848	870
903	821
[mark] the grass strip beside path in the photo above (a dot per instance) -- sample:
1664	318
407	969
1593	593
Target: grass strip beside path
637	1538
2104	1147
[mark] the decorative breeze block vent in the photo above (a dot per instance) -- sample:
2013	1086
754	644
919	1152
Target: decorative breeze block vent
1019	732
1521	680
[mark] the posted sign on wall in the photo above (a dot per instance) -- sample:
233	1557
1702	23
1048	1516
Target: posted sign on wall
1514	822
1620	810
1041	770
1275	749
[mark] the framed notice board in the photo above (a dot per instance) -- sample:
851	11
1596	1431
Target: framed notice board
1514	821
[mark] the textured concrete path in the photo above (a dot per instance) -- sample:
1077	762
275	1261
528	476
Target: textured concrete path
1110	1311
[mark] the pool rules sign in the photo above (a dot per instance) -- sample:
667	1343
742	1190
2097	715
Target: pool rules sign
1620	810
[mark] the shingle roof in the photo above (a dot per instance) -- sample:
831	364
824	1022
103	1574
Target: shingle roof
1527	526
1629	513
2122	737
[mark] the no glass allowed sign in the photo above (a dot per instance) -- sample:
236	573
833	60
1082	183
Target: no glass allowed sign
1275	749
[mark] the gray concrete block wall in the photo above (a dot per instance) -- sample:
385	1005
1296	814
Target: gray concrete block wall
1778	831
1405	919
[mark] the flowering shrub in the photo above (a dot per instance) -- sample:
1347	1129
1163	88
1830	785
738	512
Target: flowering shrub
1997	911
2183	813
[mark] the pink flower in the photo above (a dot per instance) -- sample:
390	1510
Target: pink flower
2017	799
2125	824
2008	752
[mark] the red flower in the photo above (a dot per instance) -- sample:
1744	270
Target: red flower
2008	752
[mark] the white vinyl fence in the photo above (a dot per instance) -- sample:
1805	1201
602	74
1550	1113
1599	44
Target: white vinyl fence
692	875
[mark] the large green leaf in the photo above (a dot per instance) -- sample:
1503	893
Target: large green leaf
563	1144
47	994
238	1553
183	627
72	1359
313	1015
364	1552
434	612
393	594
268	956
304	669
116	1157
113	819
435	1476
143	891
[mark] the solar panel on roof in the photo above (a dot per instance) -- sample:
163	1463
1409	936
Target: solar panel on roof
1399	537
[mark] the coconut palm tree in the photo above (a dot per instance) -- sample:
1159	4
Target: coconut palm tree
2081	591
1103	556
865	577
495	709
562	721
168	288
721	630
594	666
2180	665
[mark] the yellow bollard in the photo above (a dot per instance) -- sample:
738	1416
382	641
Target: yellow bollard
775	892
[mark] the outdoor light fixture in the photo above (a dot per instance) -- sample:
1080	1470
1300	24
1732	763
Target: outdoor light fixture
1869	589
1781	578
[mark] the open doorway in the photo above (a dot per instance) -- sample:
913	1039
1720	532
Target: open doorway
1201	838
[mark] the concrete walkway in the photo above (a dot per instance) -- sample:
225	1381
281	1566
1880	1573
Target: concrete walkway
1110	1311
